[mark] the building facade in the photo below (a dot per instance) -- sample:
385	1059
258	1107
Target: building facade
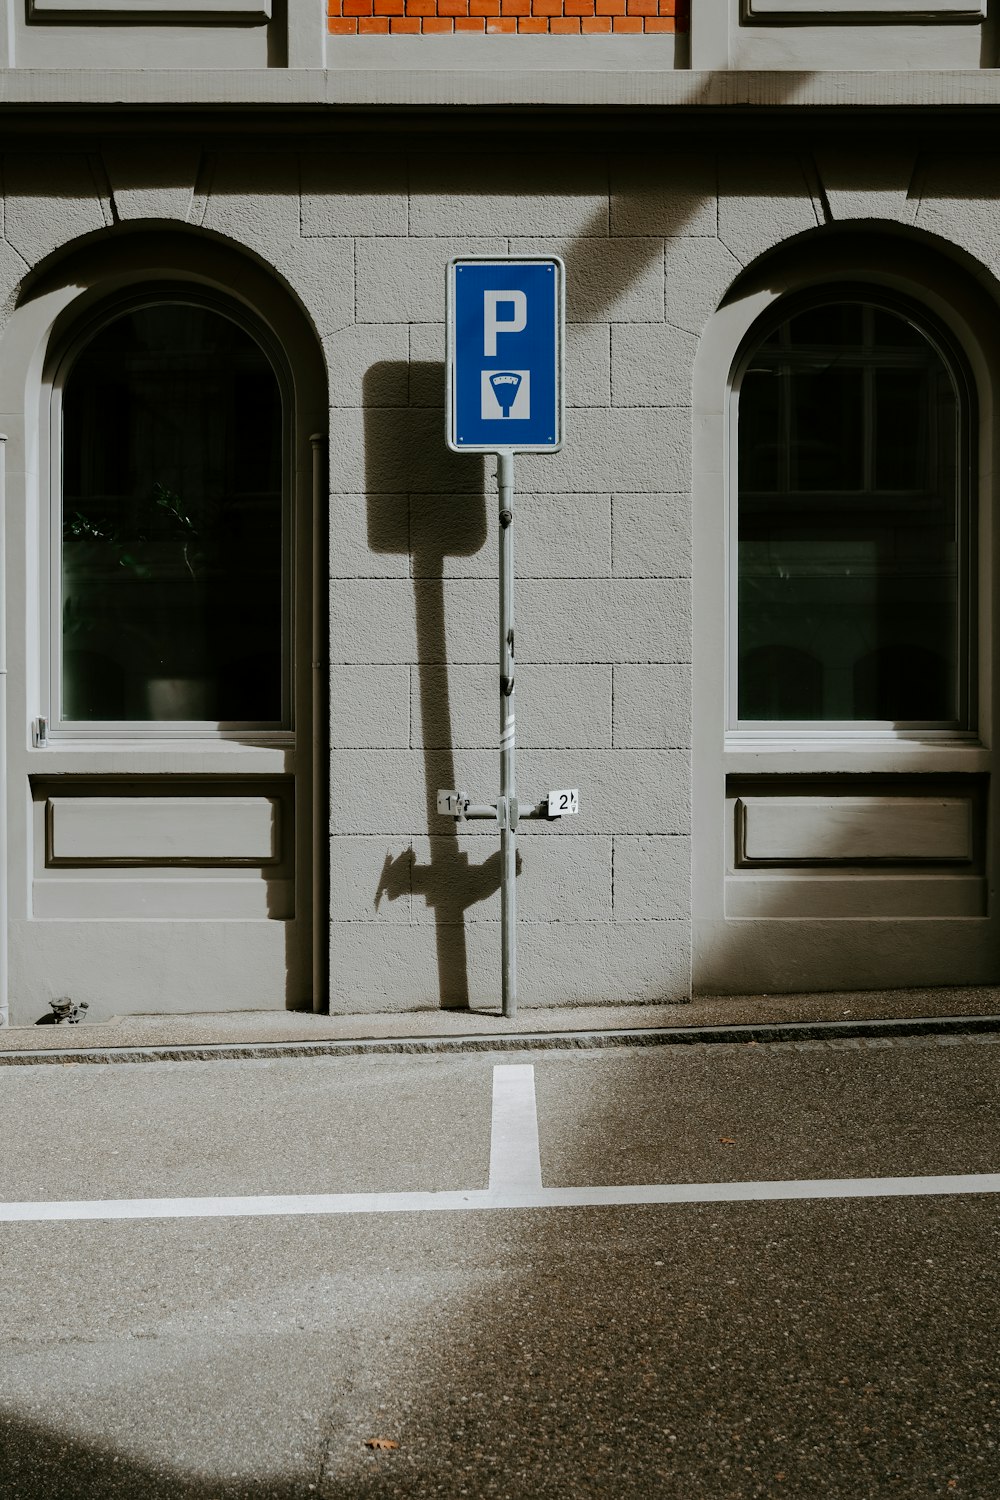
250	596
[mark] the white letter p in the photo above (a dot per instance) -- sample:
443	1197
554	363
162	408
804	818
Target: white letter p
492	325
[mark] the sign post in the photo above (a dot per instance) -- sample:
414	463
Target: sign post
506	322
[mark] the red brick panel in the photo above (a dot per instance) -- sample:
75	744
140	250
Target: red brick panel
507	17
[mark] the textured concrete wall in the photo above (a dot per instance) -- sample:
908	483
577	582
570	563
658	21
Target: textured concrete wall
362	235
603	607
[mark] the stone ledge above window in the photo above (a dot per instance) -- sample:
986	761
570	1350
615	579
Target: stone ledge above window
149	10
820	11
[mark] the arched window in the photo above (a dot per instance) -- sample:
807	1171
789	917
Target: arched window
852	582
170	577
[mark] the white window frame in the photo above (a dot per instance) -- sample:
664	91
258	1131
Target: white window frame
768	731
88	730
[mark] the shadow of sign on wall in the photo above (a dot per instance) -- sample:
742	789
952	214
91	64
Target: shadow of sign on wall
430	504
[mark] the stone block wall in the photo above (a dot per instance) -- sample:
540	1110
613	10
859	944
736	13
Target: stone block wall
361	232
602	604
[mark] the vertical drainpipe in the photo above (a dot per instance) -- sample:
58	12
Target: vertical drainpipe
4	1006
318	655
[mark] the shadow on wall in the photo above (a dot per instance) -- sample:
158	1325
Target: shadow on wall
428	503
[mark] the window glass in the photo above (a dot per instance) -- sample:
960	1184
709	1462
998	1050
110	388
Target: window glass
172	536
849	523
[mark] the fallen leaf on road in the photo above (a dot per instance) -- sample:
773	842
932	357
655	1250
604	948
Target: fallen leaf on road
380	1443
727	1140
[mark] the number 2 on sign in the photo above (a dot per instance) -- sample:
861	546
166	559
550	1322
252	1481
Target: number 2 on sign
564	804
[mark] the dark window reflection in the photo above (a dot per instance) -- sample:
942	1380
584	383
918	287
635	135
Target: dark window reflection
849	522
172	523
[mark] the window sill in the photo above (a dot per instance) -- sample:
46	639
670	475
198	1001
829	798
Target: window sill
833	752
249	755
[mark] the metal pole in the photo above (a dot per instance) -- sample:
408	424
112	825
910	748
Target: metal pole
4	879
320	726
507	805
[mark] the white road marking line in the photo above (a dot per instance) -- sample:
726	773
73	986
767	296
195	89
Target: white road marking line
515	1162
292	1204
515	1183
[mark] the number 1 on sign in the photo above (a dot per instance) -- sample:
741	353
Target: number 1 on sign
451	804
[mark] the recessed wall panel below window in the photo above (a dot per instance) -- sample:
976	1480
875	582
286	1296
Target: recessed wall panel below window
852	830
151	848
843	847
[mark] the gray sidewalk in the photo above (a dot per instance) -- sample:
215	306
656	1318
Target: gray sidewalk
243	1033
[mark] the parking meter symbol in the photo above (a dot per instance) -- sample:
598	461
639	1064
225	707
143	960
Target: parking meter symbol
505	385
506	395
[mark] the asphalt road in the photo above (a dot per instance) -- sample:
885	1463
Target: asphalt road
844	1348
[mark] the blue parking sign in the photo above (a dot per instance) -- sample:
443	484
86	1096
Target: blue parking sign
505	355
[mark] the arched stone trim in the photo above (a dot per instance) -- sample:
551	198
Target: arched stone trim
739	953
62	297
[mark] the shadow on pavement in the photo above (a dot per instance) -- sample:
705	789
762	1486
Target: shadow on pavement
44	1463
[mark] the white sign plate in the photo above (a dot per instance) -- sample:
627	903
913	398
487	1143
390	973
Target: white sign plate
565	803
451	804
505	325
